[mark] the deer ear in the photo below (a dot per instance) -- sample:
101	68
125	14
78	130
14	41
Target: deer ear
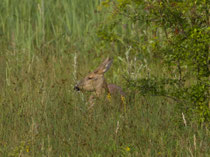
104	67
107	64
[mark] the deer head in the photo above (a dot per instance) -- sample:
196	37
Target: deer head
95	81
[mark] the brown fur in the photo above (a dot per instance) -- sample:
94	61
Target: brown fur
96	83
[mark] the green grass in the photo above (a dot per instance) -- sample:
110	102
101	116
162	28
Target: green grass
45	47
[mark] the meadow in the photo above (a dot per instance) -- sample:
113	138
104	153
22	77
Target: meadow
45	48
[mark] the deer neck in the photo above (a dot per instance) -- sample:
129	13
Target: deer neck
105	86
103	89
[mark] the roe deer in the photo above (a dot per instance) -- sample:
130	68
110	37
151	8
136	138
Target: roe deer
96	83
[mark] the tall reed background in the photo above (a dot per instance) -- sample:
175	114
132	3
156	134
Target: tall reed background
45	47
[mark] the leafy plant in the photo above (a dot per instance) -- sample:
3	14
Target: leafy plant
178	33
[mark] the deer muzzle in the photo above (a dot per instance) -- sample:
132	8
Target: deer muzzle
76	88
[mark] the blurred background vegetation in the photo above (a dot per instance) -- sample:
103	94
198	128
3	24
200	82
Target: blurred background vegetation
161	60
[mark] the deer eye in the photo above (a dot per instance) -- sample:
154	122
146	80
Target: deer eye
89	78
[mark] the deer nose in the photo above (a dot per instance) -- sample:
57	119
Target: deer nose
76	88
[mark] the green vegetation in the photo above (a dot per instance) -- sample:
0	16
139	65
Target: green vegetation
161	59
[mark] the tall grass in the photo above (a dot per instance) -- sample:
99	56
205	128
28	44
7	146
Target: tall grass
34	24
45	46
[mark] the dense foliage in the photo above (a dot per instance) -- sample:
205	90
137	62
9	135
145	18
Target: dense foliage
160	59
180	40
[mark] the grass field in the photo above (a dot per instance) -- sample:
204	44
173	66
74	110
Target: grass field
45	48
